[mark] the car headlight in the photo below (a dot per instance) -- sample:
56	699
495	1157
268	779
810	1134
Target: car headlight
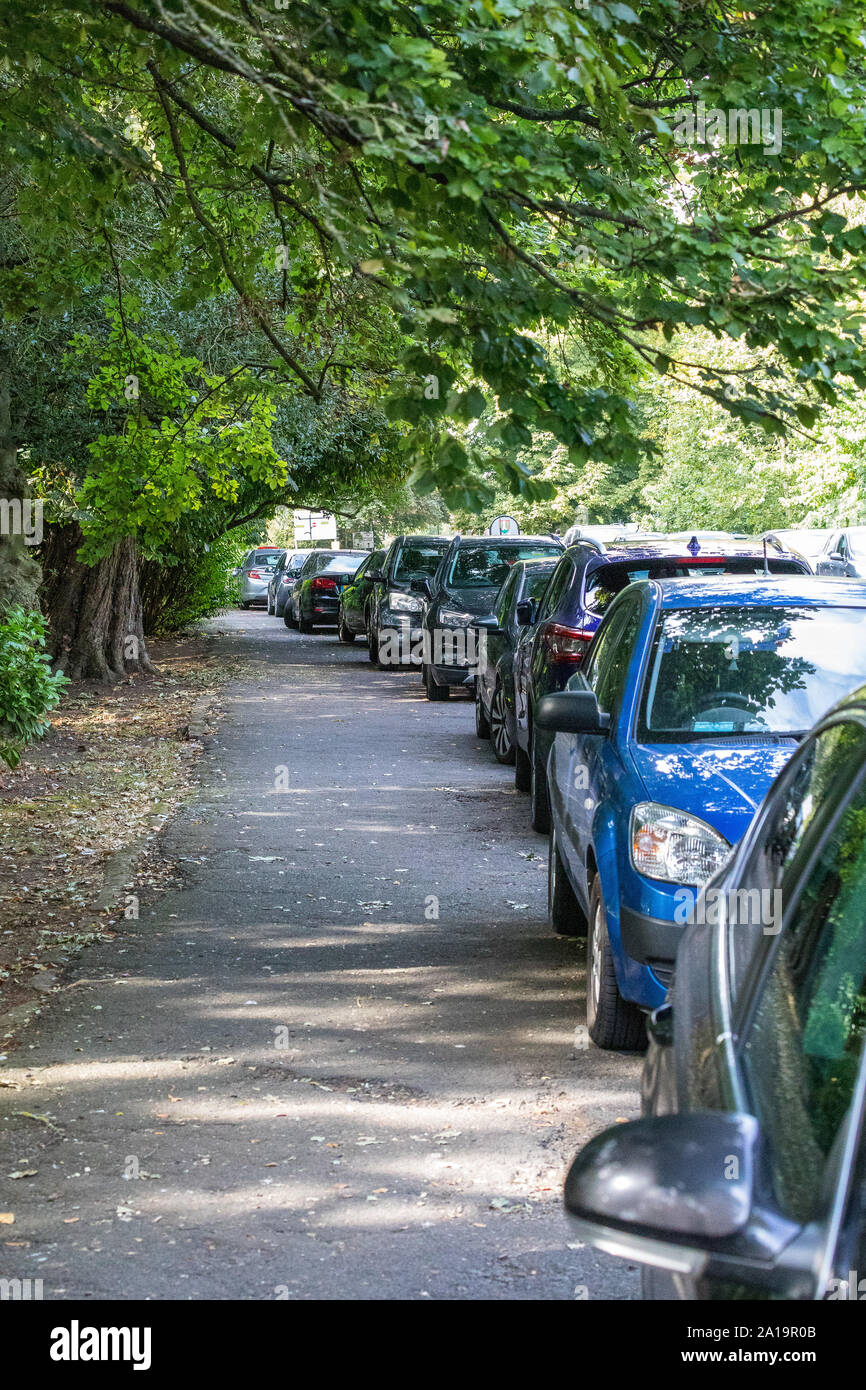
403	603
455	617
669	845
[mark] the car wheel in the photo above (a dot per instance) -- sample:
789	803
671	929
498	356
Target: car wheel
372	646
566	914
522	769
243	604
612	1022
305	626
540	805
482	724
503	748
434	691
344	633
288	617
268	609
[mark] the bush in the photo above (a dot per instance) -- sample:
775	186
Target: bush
179	592
27	687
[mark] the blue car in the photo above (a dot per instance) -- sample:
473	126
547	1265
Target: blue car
693	696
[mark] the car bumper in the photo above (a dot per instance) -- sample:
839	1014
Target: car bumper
253	591
400	641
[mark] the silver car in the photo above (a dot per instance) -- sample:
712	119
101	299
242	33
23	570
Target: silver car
844	555
254	574
283	580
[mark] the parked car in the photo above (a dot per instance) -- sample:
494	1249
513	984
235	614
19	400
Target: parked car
463	591
356	598
694	696
254	574
744	1179
589	576
394	631
811	543
315	598
516	603
288	565
844	554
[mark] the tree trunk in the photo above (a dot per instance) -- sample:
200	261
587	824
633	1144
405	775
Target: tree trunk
94	611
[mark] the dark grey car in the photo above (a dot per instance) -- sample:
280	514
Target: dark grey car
394	615
844	555
745	1178
514	612
283	580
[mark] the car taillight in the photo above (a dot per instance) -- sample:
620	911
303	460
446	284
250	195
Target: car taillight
565	643
322	583
254	574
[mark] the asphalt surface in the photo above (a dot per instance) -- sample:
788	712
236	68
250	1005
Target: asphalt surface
291	1078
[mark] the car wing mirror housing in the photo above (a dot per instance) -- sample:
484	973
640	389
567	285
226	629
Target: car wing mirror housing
421	586
525	612
571	712
674	1181
376	575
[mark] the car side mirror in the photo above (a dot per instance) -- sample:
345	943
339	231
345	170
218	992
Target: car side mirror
422	587
571	712
376	575
525	612
834	555
682	1179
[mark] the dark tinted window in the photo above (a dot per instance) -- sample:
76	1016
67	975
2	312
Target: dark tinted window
557	587
537	580
260	558
803	1047
802	802
506	597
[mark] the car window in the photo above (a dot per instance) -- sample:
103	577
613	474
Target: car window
258	558
755	669
612	653
556	588
418	560
807	794
505	597
842	547
482	566
344	561
802	1049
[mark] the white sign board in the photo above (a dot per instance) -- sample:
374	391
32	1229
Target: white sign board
315	526
503	526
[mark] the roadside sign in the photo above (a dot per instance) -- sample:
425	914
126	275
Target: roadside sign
503	526
315	526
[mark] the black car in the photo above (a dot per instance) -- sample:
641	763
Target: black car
461	593
357	597
516	604
315	599
288	568
745	1178
394	632
589	576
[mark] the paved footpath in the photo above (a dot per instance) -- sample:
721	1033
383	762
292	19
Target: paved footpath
291	1079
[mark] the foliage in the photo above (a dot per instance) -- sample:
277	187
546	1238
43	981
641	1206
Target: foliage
414	202
27	687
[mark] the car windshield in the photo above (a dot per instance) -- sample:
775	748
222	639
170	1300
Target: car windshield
753	670
604	583
419	560
536	579
485	566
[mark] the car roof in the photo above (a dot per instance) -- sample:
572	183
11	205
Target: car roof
732	590
667	547
509	540
440	540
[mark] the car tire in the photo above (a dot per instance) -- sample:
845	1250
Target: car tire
372	646
539	813
613	1023
482	724
243	604
522	769
344	633
567	917
288	617
431	689
503	748
268	608
305	626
